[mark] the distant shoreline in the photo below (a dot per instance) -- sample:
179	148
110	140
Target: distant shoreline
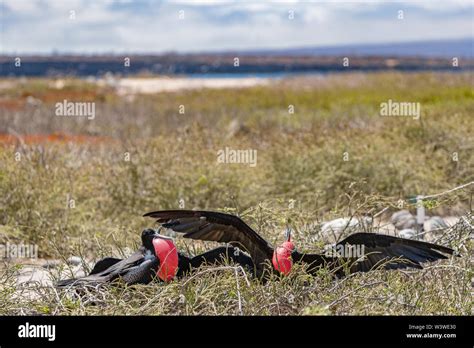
152	85
216	66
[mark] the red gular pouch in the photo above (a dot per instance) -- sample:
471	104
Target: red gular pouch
166	252
281	260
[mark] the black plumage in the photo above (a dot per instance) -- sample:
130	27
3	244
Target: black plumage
142	265
380	251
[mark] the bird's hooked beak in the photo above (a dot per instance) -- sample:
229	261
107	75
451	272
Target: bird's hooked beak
288	244
288	233
282	260
159	235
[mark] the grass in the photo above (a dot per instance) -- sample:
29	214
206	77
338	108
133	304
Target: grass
86	198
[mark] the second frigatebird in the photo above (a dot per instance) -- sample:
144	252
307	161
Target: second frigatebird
379	251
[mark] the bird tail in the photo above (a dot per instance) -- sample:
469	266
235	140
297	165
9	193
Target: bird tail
66	282
90	280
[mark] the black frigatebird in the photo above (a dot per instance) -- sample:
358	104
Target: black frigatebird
157	258
379	251
140	267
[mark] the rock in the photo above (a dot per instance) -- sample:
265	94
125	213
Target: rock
79	271
434	223
51	264
111	80
32	101
59	84
74	260
403	220
235	127
337	226
396	216
408	233
31	274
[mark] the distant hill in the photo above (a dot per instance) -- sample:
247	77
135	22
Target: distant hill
441	48
414	56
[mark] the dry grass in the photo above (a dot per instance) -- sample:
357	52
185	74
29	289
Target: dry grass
443	288
300	158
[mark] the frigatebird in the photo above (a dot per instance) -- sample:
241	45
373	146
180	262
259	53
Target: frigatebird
140	267
379	251
156	258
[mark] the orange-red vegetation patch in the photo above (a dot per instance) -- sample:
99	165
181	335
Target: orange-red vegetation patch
53	96
49	97
32	139
12	104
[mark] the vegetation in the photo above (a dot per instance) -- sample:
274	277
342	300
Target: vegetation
84	193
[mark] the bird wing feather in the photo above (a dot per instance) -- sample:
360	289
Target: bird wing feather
110	273
391	252
218	227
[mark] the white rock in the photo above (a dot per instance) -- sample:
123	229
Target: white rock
32	101
396	216
74	260
51	264
31	274
403	219
408	233
59	84
236	127
434	223
337	226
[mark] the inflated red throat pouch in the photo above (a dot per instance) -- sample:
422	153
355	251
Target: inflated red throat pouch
281	260
167	253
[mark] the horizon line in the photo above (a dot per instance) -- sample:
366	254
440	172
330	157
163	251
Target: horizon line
241	51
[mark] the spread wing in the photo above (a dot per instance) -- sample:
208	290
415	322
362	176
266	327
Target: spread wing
390	252
123	266
108	271
218	227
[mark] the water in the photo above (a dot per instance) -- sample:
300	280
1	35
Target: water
264	75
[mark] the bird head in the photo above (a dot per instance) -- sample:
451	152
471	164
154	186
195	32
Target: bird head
147	238
282	260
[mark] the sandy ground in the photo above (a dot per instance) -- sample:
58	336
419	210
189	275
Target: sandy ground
173	84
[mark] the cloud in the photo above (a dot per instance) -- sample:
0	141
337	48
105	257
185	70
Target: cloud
30	26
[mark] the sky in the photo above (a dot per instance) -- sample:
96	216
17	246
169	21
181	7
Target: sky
153	26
